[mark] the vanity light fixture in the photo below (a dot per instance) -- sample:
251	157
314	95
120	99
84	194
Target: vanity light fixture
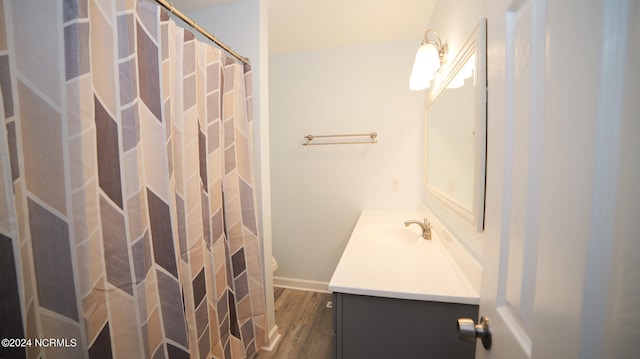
431	55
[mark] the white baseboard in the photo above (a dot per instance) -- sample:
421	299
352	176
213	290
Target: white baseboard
301	284
274	340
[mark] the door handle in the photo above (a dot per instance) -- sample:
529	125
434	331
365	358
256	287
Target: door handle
469	331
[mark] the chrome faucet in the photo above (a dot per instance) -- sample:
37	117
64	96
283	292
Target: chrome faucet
426	227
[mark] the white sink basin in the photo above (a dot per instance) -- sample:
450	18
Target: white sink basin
393	236
384	258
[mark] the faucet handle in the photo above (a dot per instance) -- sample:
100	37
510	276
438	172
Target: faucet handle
427	229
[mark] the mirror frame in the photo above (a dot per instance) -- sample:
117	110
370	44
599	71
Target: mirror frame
476	44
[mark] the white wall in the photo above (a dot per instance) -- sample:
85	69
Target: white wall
318	192
455	20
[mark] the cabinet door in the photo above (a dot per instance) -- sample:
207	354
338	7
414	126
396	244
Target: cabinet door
337	298
375	327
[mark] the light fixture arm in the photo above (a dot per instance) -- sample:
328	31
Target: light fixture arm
437	43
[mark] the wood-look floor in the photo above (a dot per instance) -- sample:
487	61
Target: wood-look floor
304	322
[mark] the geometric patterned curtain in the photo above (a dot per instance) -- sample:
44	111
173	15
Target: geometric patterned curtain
128	224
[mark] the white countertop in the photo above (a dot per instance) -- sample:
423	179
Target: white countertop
376	263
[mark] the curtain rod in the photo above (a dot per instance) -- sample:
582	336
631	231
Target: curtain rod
169	6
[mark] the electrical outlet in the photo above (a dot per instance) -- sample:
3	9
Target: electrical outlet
395	185
451	186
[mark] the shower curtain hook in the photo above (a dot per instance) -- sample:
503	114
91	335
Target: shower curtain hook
171	7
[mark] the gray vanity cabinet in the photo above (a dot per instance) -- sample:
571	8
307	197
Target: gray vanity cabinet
375	327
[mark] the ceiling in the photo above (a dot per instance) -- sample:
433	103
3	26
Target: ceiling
302	25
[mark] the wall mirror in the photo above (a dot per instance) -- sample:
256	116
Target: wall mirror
455	132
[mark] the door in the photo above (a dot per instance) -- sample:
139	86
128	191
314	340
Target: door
561	239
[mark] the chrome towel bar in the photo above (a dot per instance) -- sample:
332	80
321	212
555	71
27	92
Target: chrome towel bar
349	139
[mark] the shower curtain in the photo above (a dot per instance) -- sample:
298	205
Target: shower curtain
128	224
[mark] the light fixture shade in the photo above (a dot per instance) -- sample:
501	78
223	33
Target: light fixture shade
424	67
